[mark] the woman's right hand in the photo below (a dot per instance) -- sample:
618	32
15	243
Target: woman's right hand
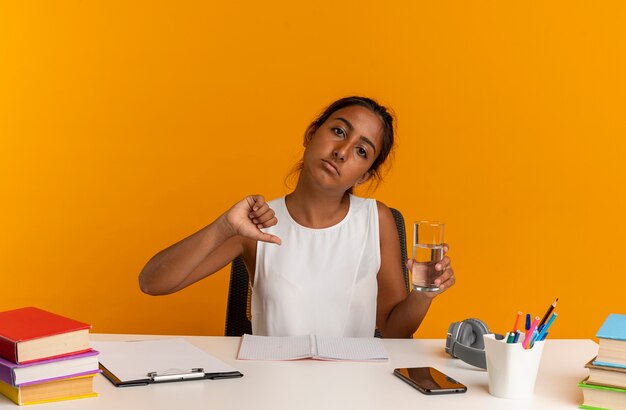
248	216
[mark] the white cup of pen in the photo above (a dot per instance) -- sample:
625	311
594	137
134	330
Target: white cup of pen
513	361
427	251
511	369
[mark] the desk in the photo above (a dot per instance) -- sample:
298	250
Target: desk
311	384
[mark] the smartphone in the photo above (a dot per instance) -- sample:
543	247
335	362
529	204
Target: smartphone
429	380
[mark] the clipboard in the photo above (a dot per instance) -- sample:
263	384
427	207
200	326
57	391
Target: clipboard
143	362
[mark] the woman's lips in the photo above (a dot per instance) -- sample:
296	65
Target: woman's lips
330	165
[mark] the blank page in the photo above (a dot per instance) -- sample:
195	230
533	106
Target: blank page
309	346
351	348
274	347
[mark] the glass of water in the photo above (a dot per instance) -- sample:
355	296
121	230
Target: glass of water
427	251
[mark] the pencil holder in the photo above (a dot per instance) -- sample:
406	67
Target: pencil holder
512	370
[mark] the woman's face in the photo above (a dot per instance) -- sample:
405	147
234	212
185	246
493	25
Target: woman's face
340	153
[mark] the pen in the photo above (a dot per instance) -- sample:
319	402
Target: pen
510	337
178	377
516	338
544	331
195	373
550	309
534	338
527	322
519	314
529	335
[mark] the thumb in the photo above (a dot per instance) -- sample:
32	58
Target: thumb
266	237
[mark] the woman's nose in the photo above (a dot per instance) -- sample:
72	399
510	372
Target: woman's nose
339	155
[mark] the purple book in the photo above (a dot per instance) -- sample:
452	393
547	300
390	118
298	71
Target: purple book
47	370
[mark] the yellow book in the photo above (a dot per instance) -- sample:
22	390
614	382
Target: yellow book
56	390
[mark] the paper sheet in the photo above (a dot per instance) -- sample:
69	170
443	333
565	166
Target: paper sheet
133	360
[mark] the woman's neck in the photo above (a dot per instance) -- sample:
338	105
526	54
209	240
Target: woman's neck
317	210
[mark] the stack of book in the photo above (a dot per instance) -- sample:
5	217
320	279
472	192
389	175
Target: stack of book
605	388
45	357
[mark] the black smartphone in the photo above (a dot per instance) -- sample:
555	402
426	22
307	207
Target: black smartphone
429	380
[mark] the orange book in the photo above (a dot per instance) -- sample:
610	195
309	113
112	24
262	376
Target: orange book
30	334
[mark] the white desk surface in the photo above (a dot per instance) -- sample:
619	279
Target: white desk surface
312	384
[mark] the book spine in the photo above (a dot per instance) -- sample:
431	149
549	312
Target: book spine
10	392
8	349
6	374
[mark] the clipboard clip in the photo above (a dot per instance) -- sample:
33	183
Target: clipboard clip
176	375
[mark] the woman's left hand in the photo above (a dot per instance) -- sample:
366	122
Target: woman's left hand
447	278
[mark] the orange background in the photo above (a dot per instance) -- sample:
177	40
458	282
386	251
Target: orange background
127	126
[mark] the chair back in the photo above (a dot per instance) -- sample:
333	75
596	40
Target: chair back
238	307
239	292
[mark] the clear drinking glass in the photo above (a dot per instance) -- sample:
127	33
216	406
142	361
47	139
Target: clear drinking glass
427	251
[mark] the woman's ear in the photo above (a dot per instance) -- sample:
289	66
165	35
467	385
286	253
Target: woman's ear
308	134
364	178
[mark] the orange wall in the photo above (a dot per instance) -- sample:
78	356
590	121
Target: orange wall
126	126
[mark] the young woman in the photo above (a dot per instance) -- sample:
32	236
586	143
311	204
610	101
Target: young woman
321	260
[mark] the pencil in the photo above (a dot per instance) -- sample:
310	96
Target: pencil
544	331
547	315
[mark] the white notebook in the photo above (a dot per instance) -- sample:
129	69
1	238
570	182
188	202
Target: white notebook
312	347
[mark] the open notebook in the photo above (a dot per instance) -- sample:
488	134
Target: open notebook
312	347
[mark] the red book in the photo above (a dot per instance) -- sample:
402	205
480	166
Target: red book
29	334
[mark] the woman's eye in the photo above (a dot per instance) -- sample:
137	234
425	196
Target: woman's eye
361	152
339	132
